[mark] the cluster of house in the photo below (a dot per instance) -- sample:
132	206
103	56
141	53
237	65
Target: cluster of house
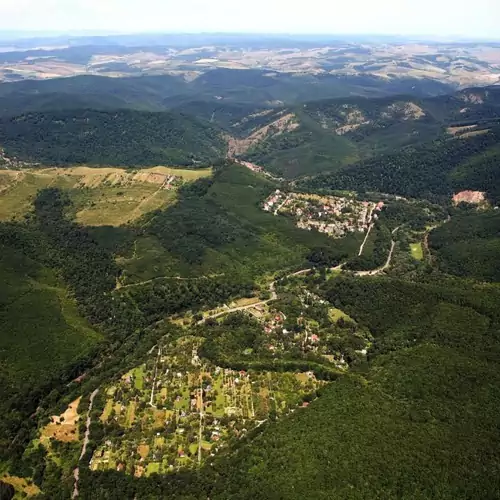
335	216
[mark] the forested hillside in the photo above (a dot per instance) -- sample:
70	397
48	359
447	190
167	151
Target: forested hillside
129	138
161	92
469	245
433	170
329	134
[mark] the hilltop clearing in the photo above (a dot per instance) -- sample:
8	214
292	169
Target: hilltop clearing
101	196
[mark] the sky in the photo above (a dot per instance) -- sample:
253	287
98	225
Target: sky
468	18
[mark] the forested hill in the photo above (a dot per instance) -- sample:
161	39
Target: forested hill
432	170
162	92
325	135
123	137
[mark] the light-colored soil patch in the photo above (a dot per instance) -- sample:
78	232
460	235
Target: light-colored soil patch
63	427
21	485
354	119
472	98
412	111
473	197
285	123
466	131
460	130
474	133
408	111
245	302
139	471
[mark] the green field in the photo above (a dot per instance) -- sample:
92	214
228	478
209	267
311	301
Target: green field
417	251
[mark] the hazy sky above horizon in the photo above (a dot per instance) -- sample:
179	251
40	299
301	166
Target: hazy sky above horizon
480	18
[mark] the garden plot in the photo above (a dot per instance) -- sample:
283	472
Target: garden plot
177	409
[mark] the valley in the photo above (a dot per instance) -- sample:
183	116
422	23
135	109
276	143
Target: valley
244	273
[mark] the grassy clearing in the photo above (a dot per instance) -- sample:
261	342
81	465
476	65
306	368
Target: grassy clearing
138	375
21	485
107	411
115	206
335	314
63	427
101	196
417	251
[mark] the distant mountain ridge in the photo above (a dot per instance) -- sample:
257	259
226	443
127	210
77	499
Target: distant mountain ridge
162	92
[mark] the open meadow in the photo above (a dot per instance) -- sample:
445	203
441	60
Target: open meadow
100	196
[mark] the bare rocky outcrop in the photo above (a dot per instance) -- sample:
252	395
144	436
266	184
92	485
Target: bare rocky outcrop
472	197
285	123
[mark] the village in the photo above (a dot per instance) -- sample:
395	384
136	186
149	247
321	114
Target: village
335	216
177	410
303	325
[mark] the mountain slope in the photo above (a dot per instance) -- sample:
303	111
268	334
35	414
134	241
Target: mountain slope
122	137
431	170
330	134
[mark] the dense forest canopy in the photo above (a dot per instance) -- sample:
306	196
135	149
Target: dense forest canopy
121	137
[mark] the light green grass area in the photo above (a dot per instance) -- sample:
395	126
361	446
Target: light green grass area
107	410
129	420
138	374
417	251
153	468
335	314
115	206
